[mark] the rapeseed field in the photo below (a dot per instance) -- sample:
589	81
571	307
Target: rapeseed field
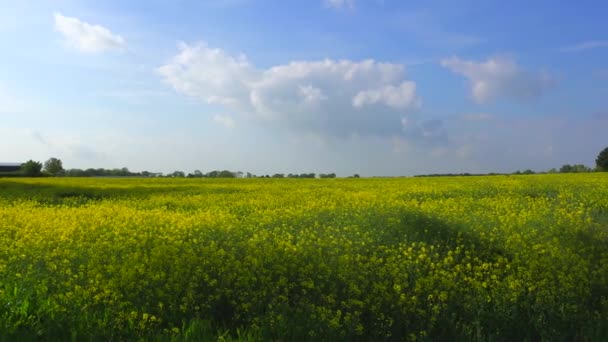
498	258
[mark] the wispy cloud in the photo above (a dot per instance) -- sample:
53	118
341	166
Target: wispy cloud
340	4
478	117
87	37
224	120
37	136
499	78
588	45
429	30
602	73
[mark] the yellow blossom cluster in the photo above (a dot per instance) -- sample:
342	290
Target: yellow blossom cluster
471	258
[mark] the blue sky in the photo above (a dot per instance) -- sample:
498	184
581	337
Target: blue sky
376	87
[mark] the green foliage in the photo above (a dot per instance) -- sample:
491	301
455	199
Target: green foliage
31	168
496	258
178	174
602	160
327	175
579	168
53	166
101	172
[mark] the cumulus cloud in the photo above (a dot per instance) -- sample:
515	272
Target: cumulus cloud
499	78
340	4
86	37
210	74
224	120
403	96
327	97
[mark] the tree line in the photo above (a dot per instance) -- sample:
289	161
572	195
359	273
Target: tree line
54	167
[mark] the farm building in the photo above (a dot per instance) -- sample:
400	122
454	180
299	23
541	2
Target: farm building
9	167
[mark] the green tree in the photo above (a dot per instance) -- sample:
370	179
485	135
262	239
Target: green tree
602	160
31	168
226	174
328	175
178	174
53	166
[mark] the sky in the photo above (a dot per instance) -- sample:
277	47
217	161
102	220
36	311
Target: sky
373	87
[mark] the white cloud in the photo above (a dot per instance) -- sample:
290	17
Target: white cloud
340	4
327	97
499	77
86	37
210	74
403	96
311	94
588	45
224	120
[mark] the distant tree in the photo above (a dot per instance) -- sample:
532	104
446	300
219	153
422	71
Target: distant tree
278	175
212	174
198	174
602	160
553	170
328	175
226	174
578	168
74	173
356	175
53	166
31	168
178	174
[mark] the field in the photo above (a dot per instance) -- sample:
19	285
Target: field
469	258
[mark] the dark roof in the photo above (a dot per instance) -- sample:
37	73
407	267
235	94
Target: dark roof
9	167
